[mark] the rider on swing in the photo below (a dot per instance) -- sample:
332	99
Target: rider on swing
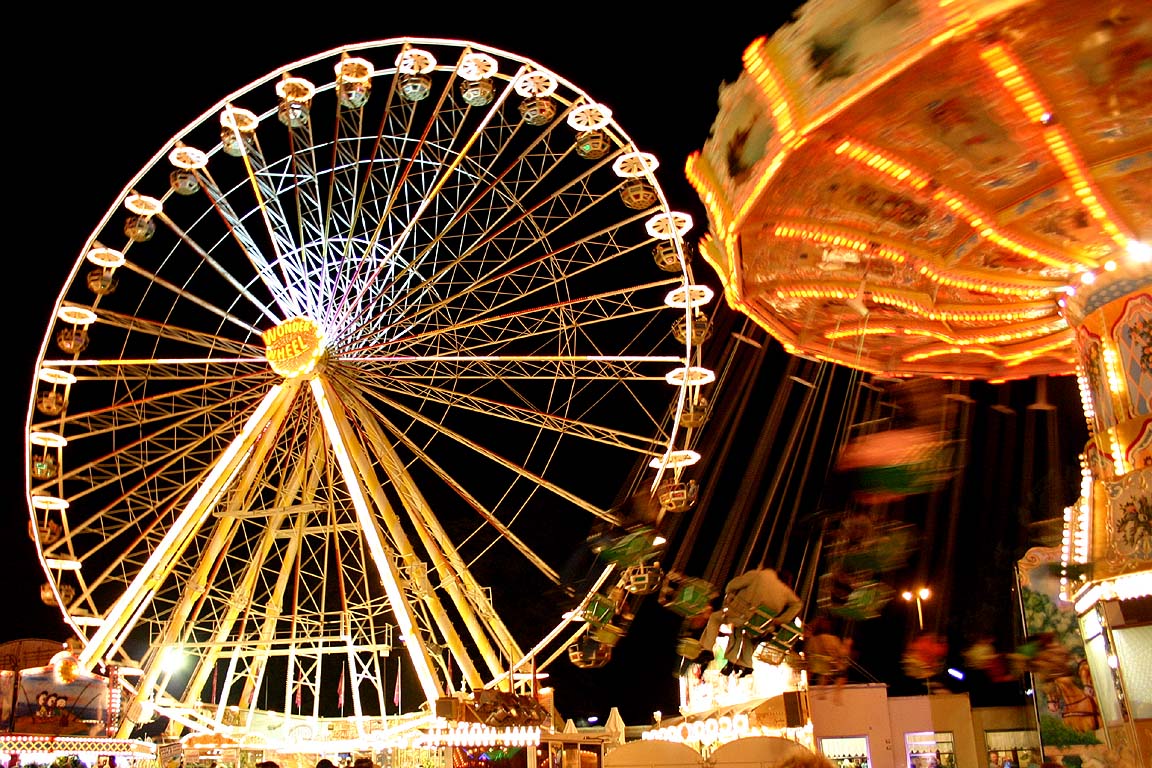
756	605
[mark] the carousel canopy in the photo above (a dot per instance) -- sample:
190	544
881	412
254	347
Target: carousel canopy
915	187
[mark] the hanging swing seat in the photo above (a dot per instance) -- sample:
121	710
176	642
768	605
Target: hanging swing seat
885	548
607	634
760	621
688	647
687	596
855	599
775	648
633	548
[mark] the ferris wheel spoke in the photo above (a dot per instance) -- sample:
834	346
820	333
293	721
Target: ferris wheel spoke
177	537
134	485
517	414
200	301
432	149
453	578
341	205
491	328
272	553
400	436
188	384
135	481
528	367
305	190
341	434
509	278
323	530
432	190
268	185
187	610
113	476
268	272
193	339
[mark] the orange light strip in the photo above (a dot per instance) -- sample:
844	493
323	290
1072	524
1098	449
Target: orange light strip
822	236
1029	289
708	247
928	355
1024	310
704	182
921	305
877	160
771	84
1006	67
862	331
731	248
918	181
700	176
1011	360
982	284
1015	333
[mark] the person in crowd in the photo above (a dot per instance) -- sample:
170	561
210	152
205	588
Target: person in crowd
805	759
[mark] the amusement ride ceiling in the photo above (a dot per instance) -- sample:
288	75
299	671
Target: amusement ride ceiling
922	188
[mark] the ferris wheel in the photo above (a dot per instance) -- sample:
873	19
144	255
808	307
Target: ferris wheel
347	370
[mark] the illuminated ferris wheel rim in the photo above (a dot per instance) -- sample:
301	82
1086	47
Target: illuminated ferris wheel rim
287	353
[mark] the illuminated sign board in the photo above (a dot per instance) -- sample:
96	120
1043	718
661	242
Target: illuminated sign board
710	730
294	347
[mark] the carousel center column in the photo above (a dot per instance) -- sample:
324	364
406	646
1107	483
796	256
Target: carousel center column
1107	544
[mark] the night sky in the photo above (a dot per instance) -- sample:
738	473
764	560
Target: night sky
90	105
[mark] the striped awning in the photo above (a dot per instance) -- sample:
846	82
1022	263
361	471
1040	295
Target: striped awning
1008	740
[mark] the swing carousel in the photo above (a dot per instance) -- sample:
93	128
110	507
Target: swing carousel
962	191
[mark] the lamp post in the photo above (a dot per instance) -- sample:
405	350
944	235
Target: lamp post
920	595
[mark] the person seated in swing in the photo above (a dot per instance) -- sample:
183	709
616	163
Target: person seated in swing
756	604
828	655
912	457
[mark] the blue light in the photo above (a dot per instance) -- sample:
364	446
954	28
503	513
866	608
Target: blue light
956	673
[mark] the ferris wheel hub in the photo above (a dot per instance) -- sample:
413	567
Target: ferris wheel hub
294	347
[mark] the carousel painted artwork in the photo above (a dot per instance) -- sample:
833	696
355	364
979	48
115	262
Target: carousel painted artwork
7	695
61	699
1068	712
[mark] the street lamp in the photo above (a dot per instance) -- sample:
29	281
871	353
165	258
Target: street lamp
919	596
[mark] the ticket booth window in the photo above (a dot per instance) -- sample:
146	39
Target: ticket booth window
930	749
1013	749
